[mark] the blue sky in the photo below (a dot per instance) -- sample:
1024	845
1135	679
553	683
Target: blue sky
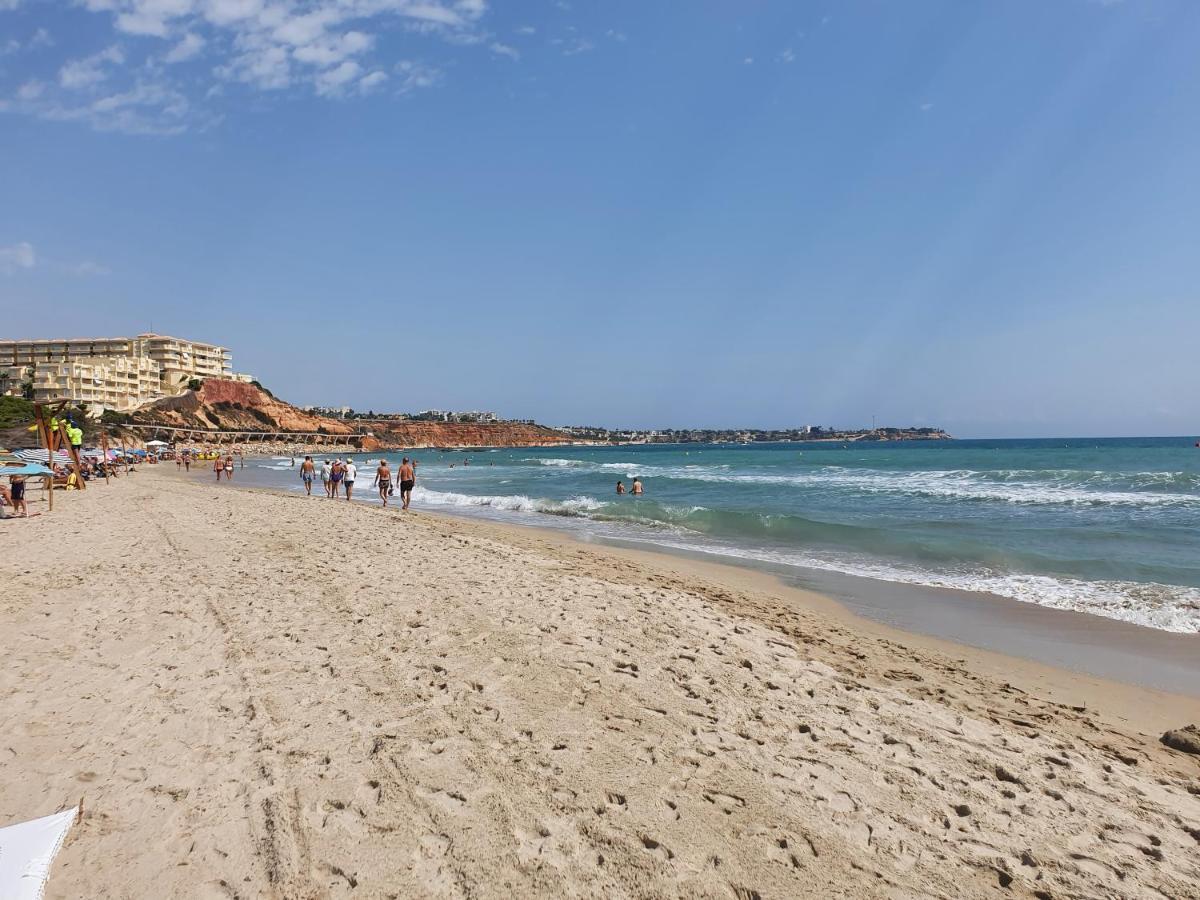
980	215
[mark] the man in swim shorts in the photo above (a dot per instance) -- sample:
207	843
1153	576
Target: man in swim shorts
383	478
17	491
408	480
306	474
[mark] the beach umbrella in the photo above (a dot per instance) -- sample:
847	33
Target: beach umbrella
39	455
28	469
27	850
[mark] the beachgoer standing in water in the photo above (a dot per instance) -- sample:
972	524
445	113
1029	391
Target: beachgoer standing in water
229	467
326	475
383	478
637	487
349	473
408	480
306	474
620	487
336	472
219	467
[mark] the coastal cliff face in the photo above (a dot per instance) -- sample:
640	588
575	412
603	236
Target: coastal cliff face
463	434
236	406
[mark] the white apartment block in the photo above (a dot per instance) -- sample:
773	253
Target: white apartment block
115	382
174	362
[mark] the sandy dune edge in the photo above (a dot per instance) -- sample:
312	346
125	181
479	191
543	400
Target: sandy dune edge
263	695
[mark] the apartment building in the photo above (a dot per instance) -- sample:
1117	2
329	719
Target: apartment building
60	364
115	382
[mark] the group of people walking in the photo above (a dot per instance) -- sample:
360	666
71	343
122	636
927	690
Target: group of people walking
339	476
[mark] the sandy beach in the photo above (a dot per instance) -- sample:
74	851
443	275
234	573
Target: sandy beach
260	695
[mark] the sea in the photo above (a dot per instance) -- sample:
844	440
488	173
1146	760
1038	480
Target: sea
1105	526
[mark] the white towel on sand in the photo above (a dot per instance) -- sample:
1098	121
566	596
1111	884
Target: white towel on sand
26	852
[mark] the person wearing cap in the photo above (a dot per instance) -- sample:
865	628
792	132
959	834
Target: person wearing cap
349	473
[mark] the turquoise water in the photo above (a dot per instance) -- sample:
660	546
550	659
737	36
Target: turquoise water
1106	526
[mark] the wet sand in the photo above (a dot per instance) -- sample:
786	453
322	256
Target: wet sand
271	695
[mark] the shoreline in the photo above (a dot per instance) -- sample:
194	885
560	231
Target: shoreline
1060	640
262	695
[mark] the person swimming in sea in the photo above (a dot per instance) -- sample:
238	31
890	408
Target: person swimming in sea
637	487
620	487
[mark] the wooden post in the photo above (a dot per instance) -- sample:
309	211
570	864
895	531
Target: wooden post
104	450
44	434
124	456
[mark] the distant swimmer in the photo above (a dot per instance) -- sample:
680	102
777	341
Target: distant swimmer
307	469
383	479
620	487
637	487
408	480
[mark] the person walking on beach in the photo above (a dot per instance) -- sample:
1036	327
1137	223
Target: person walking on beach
383	478
229	467
637	487
408	480
187	462
219	467
335	477
306	474
349	473
17	492
326	475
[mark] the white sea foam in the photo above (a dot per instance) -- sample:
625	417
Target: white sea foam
1167	607
577	506
1033	487
1163	606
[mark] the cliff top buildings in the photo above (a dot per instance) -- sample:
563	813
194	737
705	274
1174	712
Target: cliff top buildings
117	372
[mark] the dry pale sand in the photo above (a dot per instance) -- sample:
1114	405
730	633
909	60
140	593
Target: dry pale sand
271	696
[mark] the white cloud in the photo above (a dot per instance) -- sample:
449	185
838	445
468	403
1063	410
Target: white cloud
926	107
371	81
91	70
505	50
329	48
787	55
335	80
88	268
416	75
31	90
576	46
41	38
617	35
17	256
189	47
748	61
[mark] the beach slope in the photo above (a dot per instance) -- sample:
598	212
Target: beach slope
262	695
